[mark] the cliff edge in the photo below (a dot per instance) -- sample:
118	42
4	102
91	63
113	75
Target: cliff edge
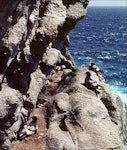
45	102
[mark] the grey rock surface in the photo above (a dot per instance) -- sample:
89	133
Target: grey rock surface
32	35
86	117
33	43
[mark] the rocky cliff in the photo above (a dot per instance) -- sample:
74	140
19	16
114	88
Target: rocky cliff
44	101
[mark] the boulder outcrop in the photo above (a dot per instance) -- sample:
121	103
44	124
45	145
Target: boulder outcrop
38	77
84	120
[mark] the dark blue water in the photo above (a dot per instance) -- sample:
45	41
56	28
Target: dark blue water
101	37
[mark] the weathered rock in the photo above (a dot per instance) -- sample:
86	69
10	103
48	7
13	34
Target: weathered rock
117	111
81	118
30	32
10	115
33	40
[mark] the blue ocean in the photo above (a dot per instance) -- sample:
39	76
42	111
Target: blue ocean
101	37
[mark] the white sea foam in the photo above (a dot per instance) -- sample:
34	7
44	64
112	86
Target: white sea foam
121	92
104	57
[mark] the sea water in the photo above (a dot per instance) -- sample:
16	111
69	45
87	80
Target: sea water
101	37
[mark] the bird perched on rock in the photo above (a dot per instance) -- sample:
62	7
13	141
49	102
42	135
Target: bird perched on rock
93	67
91	84
29	129
97	70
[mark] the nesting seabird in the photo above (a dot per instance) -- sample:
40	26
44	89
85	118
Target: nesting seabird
94	68
97	70
91	84
29	129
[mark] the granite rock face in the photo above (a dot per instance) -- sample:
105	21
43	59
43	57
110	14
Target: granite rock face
38	77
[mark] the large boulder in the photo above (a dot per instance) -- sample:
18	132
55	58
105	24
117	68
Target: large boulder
82	118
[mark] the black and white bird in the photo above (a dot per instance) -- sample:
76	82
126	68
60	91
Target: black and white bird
91	84
29	129
97	70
